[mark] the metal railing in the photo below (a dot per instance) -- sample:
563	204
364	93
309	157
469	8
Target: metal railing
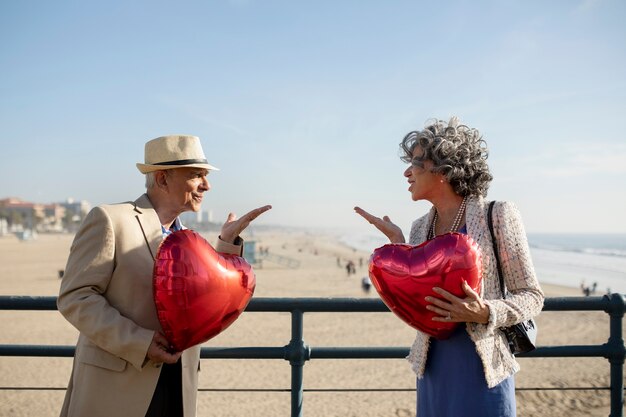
297	352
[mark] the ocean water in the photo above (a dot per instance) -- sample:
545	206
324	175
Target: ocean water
571	260
581	259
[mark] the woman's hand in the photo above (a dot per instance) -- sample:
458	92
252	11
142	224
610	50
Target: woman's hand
234	226
471	309
385	225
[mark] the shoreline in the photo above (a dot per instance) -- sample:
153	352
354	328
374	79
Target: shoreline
347	251
559	267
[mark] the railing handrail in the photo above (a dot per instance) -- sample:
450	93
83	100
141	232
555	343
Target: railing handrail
297	352
340	304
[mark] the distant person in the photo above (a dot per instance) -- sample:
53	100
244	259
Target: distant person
469	374
366	284
350	268
586	290
583	287
124	365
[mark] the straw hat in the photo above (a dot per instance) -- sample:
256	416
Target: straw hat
174	151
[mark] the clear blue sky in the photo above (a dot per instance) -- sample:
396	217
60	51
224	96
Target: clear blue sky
302	103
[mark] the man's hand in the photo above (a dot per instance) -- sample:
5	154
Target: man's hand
234	226
385	225
158	351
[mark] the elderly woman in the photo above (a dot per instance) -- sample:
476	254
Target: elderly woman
470	373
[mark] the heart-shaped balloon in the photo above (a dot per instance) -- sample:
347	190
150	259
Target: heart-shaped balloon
198	292
403	275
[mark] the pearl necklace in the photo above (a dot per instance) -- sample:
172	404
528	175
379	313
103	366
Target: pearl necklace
455	224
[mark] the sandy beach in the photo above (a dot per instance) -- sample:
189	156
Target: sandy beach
31	268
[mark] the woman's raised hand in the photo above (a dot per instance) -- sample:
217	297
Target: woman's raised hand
385	225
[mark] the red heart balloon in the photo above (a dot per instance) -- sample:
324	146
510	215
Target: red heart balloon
198	292
403	275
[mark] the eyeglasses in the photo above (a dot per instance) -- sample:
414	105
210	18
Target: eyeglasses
417	162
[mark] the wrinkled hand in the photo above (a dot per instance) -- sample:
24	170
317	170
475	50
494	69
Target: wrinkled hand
234	226
385	225
471	309
159	350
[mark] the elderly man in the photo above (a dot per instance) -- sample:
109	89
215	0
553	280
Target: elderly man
123	364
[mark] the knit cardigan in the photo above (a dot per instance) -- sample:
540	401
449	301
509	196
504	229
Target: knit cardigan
524	301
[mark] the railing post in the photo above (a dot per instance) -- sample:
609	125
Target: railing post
296	352
617	353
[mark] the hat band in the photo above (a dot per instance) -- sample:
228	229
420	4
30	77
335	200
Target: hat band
182	162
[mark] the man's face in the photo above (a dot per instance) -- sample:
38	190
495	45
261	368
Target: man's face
186	186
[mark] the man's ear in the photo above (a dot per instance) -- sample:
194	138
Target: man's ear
161	179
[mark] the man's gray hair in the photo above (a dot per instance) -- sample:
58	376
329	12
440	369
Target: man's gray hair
151	179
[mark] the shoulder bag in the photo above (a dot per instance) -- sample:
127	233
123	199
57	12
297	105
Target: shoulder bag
521	336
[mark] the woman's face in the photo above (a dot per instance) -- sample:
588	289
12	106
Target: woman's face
422	182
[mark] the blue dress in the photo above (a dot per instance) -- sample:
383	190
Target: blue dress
454	382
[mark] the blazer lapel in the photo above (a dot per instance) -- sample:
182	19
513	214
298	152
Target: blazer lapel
476	221
149	223
475	218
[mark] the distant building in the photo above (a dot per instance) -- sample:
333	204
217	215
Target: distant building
201	220
54	215
20	215
75	212
4	227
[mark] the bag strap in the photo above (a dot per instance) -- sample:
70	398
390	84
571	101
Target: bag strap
495	247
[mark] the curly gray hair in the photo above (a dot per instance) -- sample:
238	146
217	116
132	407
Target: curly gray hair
456	151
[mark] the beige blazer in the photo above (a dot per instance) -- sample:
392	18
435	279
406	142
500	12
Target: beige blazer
106	293
524	302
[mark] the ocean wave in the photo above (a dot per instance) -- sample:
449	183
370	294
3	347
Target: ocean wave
558	259
364	242
589	251
605	252
598	245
